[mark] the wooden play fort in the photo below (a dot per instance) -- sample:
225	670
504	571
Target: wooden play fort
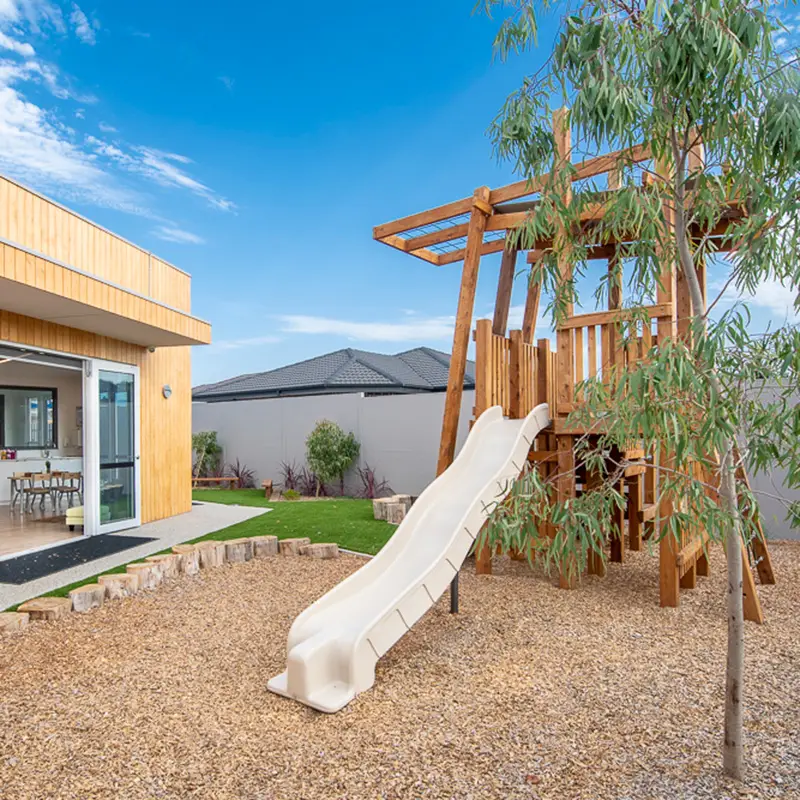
517	373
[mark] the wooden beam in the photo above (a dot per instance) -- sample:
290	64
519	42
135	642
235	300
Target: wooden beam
495	246
505	283
434	237
423	218
463	327
605	317
583	169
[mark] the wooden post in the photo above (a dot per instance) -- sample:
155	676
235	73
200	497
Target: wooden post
618	528
466	302
504	285
650	495
565	490
595	564
634	511
564	346
515	378
531	308
751	601
483	366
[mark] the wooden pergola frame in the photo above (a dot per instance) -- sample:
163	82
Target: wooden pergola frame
467	229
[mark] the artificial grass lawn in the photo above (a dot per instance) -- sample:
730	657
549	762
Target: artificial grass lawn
347	522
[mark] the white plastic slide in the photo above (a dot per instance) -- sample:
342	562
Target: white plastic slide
335	643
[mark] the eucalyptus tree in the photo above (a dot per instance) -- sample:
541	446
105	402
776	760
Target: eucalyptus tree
677	76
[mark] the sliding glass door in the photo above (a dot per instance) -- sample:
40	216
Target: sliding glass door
112	461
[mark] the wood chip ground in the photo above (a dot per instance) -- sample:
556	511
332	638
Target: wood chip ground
531	692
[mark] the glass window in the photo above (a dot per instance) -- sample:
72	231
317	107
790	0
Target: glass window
28	418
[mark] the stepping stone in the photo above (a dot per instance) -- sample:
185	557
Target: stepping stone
48	608
238	551
13	621
87	597
188	558
168	562
291	547
320	550
212	553
119	585
264	546
149	574
379	506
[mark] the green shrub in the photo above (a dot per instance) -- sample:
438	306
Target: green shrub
208	453
291	494
330	452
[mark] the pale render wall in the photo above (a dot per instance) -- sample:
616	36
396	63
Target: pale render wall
399	437
399	434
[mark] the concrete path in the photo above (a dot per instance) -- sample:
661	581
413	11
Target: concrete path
202	519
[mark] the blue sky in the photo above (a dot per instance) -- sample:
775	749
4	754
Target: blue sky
258	145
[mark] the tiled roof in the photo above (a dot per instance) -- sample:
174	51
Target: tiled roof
418	370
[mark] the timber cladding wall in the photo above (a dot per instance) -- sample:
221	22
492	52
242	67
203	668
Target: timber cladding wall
166	458
33	221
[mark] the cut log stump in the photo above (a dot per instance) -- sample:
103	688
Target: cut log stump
265	546
212	553
87	597
13	621
188	558
168	562
119	585
291	547
237	551
395	513
320	550
47	608
149	573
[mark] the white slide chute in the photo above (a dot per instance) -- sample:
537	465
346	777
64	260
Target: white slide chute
335	643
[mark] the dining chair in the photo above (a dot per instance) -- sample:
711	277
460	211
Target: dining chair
17	480
69	484
40	484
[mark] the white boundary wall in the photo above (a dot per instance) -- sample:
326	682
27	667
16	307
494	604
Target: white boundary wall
399	434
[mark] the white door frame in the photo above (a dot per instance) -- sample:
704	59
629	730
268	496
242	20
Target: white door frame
91	447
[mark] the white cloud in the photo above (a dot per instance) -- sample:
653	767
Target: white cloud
771	296
38	150
227	82
415	329
170	233
38	15
106	128
85	30
159	167
20	48
80	113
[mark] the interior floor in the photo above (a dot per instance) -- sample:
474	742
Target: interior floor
20	531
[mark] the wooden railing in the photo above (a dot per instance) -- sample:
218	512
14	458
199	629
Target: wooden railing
606	343
512	373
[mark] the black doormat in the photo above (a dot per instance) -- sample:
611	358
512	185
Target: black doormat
42	563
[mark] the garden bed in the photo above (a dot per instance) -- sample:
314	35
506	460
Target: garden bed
531	692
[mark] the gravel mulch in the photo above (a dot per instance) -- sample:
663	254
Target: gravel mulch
531	692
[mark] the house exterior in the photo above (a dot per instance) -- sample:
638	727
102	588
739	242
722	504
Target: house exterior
393	404
95	374
342	372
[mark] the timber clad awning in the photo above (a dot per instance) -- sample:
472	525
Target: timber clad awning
36	286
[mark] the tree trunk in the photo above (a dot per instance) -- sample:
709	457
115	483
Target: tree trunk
732	752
